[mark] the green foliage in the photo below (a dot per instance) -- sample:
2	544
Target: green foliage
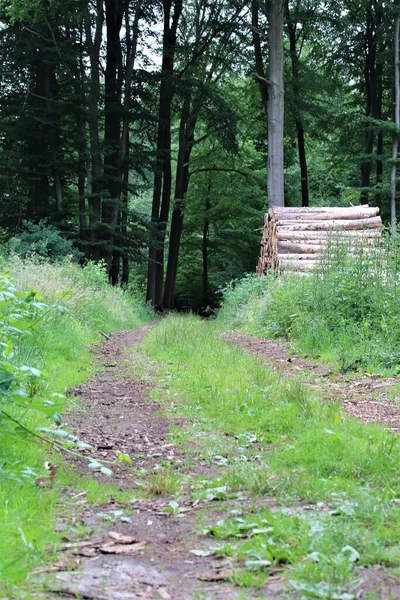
346	311
44	240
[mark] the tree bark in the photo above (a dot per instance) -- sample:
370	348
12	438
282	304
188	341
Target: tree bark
373	91
379	145
162	169
395	144
186	133
53	111
204	248
93	122
297	107
259	63
124	226
112	121
39	205
121	158
275	10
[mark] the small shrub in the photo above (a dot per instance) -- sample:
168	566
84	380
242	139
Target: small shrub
44	240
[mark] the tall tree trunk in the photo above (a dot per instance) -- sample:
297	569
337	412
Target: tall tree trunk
78	78
39	204
82	181
395	145
162	169
261	78
121	163
53	111
112	122
116	253
204	248
275	10
186	133
297	108
124	226
379	145
94	183
371	76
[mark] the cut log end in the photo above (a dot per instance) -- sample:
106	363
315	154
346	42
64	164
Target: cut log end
294	238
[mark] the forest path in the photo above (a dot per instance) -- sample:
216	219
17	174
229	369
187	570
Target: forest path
368	397
137	541
139	548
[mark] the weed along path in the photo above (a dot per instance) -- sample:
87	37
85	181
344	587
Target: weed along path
233	481
370	398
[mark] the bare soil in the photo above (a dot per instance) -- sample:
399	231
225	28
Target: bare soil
140	549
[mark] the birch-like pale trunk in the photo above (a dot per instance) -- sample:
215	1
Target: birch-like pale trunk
275	103
395	146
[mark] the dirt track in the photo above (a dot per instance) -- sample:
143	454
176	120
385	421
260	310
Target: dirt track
153	559
117	414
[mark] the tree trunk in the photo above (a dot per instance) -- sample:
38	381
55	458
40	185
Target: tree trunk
53	111
373	84
124	226
261	78
121	159
379	146
112	122
395	145
204	248
186	133
39	205
95	178
297	108
162	169
82	178
275	103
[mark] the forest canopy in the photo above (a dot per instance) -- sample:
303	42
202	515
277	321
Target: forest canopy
139	132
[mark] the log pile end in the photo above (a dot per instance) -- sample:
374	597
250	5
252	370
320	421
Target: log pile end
294	238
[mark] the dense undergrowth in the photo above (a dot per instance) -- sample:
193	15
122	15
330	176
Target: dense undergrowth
345	312
49	315
278	441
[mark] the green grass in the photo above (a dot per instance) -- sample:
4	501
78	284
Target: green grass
345	312
278	440
61	349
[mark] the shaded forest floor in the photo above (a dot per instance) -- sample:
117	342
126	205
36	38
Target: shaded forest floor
159	538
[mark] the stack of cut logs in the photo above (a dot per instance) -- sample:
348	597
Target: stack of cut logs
294	238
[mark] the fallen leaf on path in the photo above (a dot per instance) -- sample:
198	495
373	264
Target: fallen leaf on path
164	594
122	539
61	565
88	552
79	495
122	548
70	545
203	552
218	576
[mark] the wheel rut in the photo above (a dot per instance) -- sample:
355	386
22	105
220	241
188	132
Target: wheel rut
368	397
140	548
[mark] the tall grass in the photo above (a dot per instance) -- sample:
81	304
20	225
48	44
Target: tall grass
84	307
346	311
